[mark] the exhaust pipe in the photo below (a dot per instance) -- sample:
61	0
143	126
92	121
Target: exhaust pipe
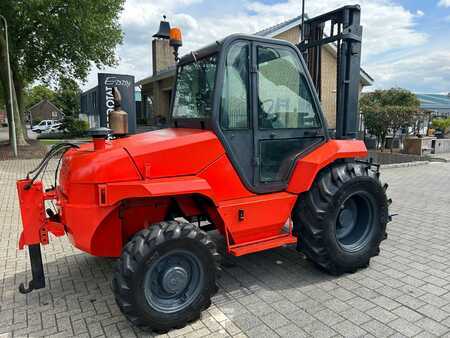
99	136
118	118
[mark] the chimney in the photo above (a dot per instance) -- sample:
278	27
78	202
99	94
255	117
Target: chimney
162	55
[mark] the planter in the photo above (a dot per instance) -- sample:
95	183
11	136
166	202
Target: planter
418	145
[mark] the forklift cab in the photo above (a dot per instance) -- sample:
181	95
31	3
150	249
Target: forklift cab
256	95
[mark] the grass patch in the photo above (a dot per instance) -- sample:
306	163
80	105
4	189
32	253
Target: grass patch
55	141
50	142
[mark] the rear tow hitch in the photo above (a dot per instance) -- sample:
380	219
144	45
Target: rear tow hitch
37	270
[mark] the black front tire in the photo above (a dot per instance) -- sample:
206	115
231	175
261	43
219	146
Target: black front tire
318	218
138	274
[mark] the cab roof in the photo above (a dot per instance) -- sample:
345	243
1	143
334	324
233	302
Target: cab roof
218	45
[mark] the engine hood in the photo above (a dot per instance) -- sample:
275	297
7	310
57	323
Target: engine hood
155	154
172	151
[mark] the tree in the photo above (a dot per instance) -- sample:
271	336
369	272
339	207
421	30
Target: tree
443	125
377	123
2	98
68	96
36	94
400	117
50	39
389	110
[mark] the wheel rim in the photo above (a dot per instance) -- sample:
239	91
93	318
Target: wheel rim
355	221
173	281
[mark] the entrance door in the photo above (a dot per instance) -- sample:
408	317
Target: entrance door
286	118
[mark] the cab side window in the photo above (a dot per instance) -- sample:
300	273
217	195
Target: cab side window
284	99
234	103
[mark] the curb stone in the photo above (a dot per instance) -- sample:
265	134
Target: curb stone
404	165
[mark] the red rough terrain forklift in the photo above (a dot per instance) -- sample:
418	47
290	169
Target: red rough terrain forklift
248	154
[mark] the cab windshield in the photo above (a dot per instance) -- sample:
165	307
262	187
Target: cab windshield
194	89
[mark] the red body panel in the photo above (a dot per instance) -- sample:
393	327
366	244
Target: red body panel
36	225
172	152
307	167
82	221
105	196
261	216
171	186
224	180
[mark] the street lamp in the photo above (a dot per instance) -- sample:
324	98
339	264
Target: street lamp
11	105
302	32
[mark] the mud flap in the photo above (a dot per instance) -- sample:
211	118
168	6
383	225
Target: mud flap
37	270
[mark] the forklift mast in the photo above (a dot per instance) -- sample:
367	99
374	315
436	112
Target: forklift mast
345	32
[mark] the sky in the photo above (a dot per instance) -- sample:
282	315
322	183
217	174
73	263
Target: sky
406	43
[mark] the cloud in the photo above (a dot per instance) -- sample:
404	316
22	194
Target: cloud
387	26
424	70
139	21
144	13
444	3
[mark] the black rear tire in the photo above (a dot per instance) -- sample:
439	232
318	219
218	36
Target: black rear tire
166	276
341	220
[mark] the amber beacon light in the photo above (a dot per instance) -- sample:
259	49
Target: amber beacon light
176	41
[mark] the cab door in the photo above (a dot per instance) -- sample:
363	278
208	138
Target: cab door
267	116
286	117
235	112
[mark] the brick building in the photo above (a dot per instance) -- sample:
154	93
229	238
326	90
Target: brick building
156	89
44	110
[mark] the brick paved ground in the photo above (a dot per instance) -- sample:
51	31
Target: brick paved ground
406	290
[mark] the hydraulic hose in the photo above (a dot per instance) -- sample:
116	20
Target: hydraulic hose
53	150
44	162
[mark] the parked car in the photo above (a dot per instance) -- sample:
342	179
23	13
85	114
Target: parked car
45	126
56	128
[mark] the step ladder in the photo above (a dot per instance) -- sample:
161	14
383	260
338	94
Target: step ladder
263	244
284	238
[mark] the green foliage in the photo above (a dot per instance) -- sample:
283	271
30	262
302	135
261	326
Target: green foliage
74	127
38	93
71	128
391	97
389	110
377	122
442	125
68	96
53	38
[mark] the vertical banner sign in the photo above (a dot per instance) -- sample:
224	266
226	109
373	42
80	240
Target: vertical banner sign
125	84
